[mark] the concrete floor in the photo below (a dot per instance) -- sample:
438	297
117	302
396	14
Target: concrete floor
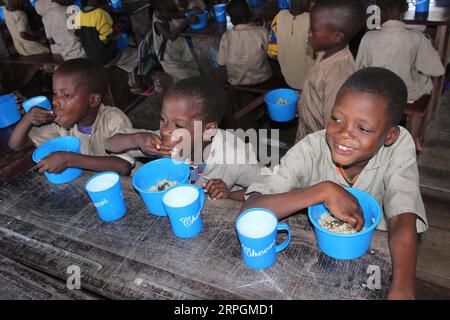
433	262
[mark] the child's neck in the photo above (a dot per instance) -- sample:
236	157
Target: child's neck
332	51
89	120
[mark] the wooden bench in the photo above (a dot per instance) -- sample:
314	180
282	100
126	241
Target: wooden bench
36	62
415	113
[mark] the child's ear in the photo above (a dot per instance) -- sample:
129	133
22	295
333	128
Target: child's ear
338	36
392	136
210	129
95	99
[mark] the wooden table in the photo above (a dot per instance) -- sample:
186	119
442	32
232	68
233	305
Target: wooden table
46	228
438	17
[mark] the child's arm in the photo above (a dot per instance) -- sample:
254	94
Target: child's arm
217	189
165	31
339	202
148	142
59	161
35	117
403	248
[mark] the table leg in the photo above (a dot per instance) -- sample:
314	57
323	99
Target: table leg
441	42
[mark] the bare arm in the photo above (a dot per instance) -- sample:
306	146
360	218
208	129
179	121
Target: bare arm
120	143
403	248
238	195
173	34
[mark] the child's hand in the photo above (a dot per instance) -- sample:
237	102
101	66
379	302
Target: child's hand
55	162
193	19
152	144
216	189
40	116
344	206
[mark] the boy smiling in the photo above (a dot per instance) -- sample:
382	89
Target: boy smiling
362	147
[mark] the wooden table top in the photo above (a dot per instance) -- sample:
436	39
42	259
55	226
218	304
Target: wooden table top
51	227
439	14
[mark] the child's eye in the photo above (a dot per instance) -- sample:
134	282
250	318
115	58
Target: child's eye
364	130
178	126
69	96
162	119
335	119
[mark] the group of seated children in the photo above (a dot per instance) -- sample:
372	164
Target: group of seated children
349	133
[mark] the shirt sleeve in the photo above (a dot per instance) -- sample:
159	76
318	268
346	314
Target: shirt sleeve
427	60
104	24
223	51
402	193
22	21
362	56
39	135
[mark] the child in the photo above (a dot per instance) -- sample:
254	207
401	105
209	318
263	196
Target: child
408	53
190	102
78	87
289	43
16	20
177	59
333	24
62	40
243	49
362	147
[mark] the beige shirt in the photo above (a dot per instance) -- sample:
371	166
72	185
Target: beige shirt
243	51
227	158
295	56
17	22
408	53
391	176
324	80
109	121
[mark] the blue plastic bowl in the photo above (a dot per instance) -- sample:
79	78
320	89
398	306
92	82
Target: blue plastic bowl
203	19
122	42
154	172
9	112
347	246
2	17
284	4
68	143
282	112
39	101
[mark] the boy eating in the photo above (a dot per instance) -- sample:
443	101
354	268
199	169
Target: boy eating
362	147
79	86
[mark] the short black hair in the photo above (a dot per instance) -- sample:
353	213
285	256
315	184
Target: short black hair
208	97
347	16
382	83
239	11
389	5
92	74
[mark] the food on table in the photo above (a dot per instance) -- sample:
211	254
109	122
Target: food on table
162	185
282	101
332	224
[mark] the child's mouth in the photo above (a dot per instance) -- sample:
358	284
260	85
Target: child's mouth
344	150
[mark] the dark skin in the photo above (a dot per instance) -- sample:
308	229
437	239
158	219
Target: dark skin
72	103
299	6
394	13
324	35
177	113
359	126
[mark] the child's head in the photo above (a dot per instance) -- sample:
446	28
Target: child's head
392	9
14	5
334	23
298	6
79	86
189	100
239	11
166	7
365	116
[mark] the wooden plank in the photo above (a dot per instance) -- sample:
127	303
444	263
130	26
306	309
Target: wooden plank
51	227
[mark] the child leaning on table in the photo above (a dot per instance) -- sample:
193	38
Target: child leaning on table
198	103
362	147
79	86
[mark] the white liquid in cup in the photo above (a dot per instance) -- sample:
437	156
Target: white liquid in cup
181	196
102	182
257	224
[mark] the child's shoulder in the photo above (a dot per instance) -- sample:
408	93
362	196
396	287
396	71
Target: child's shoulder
108	113
403	149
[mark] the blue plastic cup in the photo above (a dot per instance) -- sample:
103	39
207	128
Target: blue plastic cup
422	5
122	42
39	101
9	112
220	12
78	3
282	112
257	230
32	2
69	144
255	3
2	17
203	17
105	191
284	4
154	172
116	4
347	246
183	204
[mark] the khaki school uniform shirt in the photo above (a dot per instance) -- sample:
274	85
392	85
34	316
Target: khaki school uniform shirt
243	51
109	121
391	176
295	56
323	82
227	158
408	53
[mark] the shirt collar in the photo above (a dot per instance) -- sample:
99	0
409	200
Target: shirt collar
393	24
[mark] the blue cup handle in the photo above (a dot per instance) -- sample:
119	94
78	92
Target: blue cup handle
282	246
202	195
